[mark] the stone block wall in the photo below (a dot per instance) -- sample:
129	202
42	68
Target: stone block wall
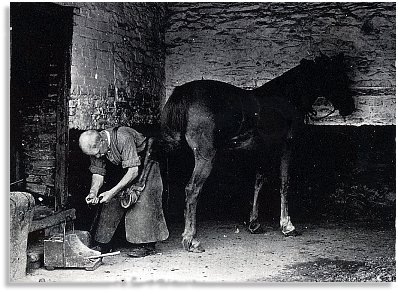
117	64
248	44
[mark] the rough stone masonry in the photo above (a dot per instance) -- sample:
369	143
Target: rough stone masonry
248	44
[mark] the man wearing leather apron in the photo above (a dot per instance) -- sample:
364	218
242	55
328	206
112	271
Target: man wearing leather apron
144	219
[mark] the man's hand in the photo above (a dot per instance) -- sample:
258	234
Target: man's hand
105	197
92	199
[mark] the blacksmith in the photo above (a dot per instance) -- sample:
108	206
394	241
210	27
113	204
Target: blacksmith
144	220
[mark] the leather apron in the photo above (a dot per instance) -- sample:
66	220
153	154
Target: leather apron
144	220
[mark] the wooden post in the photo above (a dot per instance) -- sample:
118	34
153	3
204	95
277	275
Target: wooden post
21	215
62	143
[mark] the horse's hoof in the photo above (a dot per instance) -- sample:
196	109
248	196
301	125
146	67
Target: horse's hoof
292	233
192	245
195	246
255	228
186	243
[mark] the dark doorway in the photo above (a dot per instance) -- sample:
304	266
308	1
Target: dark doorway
41	37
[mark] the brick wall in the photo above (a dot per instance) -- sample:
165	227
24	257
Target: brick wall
39	136
117	64
248	44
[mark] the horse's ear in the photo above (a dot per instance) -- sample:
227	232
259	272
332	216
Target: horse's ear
323	56
338	60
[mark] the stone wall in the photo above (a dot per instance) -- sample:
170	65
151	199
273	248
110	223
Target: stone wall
117	64
248	44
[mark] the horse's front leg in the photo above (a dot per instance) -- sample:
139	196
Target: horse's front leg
200	174
254	225
285	222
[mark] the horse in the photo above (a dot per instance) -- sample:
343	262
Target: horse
214	116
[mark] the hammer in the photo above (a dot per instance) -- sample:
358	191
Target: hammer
103	255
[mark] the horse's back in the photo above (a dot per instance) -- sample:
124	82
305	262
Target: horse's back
216	93
226	105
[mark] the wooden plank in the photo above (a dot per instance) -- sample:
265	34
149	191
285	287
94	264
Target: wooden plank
58	218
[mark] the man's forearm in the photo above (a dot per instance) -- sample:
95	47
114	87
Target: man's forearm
130	175
96	183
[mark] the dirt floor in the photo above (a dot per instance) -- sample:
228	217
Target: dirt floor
331	252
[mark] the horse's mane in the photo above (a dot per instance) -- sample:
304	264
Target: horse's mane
292	85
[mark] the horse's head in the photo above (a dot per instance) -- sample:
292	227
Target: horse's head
328	78
333	83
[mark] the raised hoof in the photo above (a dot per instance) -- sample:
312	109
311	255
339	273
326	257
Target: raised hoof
292	233
255	228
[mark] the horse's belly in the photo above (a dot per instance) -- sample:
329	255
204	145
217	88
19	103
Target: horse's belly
271	129
246	141
272	126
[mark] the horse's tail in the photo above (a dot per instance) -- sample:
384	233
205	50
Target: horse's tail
174	113
173	123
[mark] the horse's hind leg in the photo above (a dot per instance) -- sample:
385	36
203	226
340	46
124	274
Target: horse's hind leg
254	226
285	222
203	164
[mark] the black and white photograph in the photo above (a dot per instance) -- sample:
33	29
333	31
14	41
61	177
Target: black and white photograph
201	143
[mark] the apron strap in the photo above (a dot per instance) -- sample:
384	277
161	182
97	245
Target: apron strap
114	138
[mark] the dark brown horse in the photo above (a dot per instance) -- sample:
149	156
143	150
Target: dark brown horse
213	116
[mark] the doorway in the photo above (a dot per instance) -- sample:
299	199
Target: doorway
41	37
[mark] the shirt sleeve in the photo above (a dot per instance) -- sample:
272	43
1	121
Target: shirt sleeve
97	166
129	154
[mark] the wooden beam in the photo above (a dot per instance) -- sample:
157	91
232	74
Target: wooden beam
62	143
58	218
